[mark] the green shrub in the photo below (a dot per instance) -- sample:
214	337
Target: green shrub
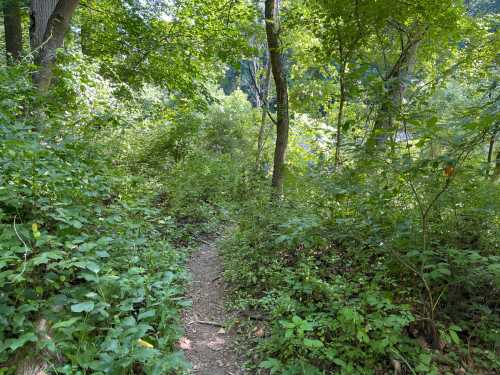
334	271
84	248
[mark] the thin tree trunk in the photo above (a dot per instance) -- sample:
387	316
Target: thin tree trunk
265	107
86	31
13	30
490	154
282	120
497	166
85	39
56	25
257	93
340	118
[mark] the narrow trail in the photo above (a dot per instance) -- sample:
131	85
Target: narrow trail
207	345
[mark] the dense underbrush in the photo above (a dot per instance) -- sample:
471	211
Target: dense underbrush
94	238
84	248
348	286
371	269
92	264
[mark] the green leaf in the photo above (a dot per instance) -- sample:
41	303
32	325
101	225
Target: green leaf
456	328
271	363
15	344
83	307
65	323
311	343
76	224
146	314
339	362
454	337
87	246
92	266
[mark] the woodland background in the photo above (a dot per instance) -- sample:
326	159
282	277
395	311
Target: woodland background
348	148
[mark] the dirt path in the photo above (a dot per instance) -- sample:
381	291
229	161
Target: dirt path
207	345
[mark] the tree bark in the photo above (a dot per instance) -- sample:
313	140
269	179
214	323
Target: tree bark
265	108
340	116
490	154
282	120
33	363
50	21
496	174
40	12
13	30
85	39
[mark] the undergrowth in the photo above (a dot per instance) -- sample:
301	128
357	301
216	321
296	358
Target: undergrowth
344	283
86	248
92	267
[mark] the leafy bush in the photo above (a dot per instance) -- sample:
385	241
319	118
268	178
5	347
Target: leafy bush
345	283
84	248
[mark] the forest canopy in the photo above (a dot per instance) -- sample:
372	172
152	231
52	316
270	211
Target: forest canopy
341	157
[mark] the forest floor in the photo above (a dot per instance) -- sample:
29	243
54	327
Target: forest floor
208	345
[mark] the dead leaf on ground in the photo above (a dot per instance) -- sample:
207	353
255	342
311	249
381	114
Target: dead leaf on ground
185	343
216	344
259	332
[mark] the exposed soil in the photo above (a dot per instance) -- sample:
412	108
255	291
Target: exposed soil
208	345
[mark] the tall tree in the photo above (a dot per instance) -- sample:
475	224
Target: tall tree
404	33
13	29
40	12
260	87
265	110
50	20
279	74
341	28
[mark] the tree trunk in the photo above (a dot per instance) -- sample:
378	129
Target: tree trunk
13	30
86	29
497	166
282	120
50	21
490	154
85	39
254	69
340	117
265	107
32	363
384	120
40	12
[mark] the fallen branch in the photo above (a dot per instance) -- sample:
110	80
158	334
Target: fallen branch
256	316
206	322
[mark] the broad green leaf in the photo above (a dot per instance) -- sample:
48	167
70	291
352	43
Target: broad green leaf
65	323
83	307
15	344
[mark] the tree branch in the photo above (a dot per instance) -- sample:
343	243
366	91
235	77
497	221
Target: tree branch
265	104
